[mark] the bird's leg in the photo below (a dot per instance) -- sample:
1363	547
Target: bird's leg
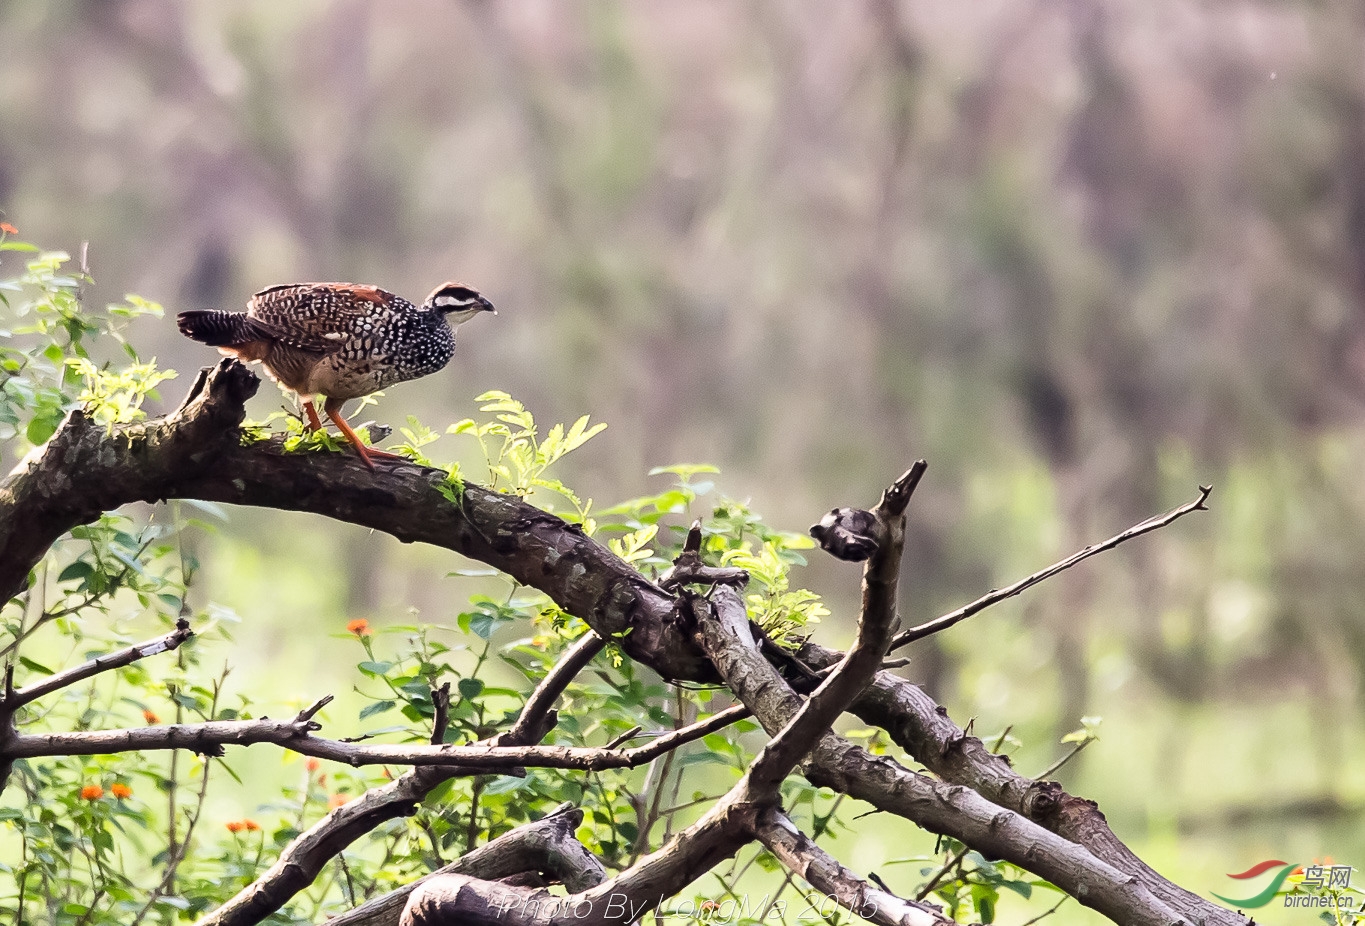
368	454
311	410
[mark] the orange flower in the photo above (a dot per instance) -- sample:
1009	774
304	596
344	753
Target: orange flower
360	627
312	764
92	793
235	826
8	229
120	791
336	800
250	825
150	717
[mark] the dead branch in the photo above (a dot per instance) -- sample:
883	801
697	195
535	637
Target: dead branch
690	569
997	595
211	737
876	623
938	807
546	847
821	871
127	656
923	729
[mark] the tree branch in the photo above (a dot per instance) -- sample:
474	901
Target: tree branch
997	595
875	626
938	807
295	735
821	871
546	847
123	657
197	453
923	729
542	700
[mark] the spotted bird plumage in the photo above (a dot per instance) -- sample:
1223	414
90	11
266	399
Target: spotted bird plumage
339	340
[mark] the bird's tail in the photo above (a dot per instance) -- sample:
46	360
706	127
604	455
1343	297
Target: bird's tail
216	327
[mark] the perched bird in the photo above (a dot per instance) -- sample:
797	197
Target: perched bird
339	340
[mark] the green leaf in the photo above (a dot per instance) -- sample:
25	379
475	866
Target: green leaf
483	624
470	688
684	470
40	429
80	569
377	707
506	784
374	668
34	666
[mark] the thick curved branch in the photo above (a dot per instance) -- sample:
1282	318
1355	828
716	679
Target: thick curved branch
938	807
197	453
546	847
87	469
923	729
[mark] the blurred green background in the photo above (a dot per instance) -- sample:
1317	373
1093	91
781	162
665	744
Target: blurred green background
1082	256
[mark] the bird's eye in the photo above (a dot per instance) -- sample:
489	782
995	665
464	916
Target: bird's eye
456	296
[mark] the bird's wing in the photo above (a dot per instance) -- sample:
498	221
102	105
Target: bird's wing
316	316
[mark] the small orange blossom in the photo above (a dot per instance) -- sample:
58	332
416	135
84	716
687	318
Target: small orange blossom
120	791
360	627
92	793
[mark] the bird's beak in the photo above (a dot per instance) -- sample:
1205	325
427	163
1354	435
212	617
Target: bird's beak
487	306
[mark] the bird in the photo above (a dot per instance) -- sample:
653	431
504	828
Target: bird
339	340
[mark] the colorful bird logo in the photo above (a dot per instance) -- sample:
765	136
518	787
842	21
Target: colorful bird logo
1271	889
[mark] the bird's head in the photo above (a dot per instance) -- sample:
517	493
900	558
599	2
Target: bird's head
458	303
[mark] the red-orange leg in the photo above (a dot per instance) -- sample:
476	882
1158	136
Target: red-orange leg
368	454
314	422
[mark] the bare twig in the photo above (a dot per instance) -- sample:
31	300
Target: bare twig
211	737
690	569
1052	769
997	595
440	700
942	873
802	856
123	657
1044	915
542	700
